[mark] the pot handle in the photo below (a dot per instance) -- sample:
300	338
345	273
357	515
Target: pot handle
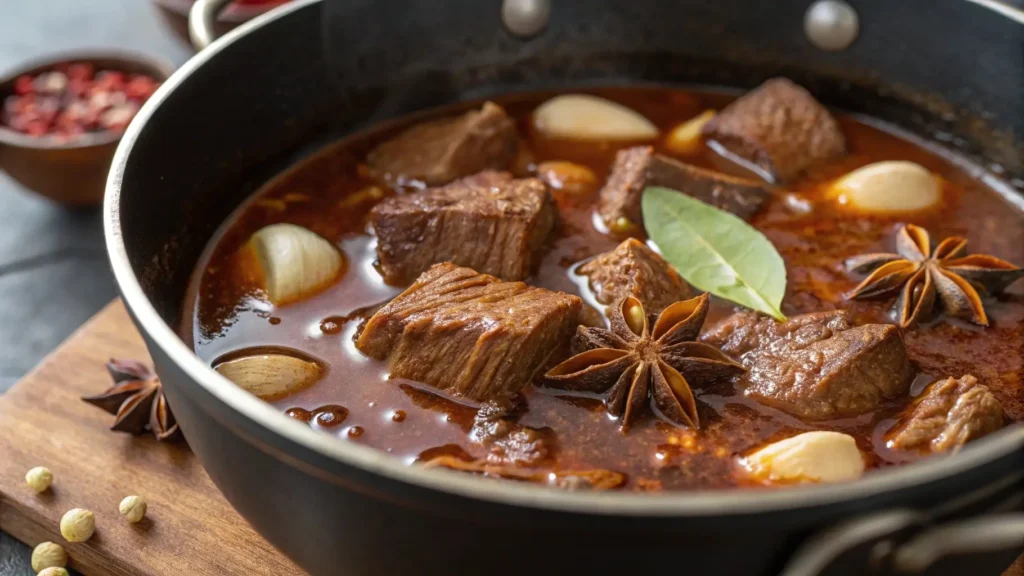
908	542
202	21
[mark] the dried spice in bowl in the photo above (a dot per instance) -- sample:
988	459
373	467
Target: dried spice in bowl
75	98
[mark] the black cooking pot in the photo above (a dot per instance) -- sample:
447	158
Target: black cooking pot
274	89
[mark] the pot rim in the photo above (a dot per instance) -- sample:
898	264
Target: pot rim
736	501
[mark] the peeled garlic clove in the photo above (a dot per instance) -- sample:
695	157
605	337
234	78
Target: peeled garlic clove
888	187
807	457
295	261
686	138
271	376
586	117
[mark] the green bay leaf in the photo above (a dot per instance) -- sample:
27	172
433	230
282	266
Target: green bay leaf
715	251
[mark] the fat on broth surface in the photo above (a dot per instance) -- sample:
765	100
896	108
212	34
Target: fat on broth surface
226	311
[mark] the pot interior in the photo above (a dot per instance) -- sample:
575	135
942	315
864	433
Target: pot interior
210	144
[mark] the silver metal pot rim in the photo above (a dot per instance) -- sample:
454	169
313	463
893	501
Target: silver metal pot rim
684	503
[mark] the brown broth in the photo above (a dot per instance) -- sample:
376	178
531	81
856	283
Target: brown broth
228	313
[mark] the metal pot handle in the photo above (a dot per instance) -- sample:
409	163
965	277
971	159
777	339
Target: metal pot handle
202	21
983	535
911	542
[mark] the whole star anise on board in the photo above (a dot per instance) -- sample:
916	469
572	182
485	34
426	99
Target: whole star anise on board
637	364
927	279
137	399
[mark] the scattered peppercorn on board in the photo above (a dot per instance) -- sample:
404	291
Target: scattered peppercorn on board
188	529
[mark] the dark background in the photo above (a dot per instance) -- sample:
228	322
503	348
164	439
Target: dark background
53	267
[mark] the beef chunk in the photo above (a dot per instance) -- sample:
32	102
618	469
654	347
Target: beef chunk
816	365
440	151
779	127
638	167
620	196
469	333
487	221
633	269
947	415
508	442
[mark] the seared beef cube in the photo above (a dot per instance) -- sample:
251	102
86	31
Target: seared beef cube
947	415
468	333
488	222
638	167
620	196
440	151
779	127
817	365
633	269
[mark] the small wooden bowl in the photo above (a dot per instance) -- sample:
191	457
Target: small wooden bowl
70	172
175	13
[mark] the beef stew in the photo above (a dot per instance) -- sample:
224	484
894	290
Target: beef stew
845	367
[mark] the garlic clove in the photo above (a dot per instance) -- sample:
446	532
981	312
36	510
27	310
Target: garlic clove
809	457
686	138
586	117
888	187
271	376
295	261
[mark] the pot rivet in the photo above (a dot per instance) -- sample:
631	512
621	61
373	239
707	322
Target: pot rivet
831	24
525	18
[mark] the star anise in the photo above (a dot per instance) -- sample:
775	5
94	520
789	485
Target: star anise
137	399
927	279
637	364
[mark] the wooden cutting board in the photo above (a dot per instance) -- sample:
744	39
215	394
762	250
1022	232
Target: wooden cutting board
189	529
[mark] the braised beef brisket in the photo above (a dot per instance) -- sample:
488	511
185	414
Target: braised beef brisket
489	222
469	333
633	269
638	167
779	127
818	365
947	415
440	151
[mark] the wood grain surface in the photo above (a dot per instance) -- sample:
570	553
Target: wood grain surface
189	529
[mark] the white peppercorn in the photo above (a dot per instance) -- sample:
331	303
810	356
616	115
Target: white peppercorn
133	508
77	525
39	479
48	555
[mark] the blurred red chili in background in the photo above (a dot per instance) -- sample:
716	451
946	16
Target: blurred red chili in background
75	99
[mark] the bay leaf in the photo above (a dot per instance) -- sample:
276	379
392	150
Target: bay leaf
715	251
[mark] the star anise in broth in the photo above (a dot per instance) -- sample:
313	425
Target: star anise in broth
638	364
137	399
927	279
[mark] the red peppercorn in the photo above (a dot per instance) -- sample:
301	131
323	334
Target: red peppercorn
73	99
35	128
79	71
108	81
140	87
24	85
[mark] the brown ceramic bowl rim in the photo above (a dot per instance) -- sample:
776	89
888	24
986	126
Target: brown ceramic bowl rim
288	432
159	68
233	14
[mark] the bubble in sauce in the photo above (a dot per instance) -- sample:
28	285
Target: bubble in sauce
330	415
300	414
